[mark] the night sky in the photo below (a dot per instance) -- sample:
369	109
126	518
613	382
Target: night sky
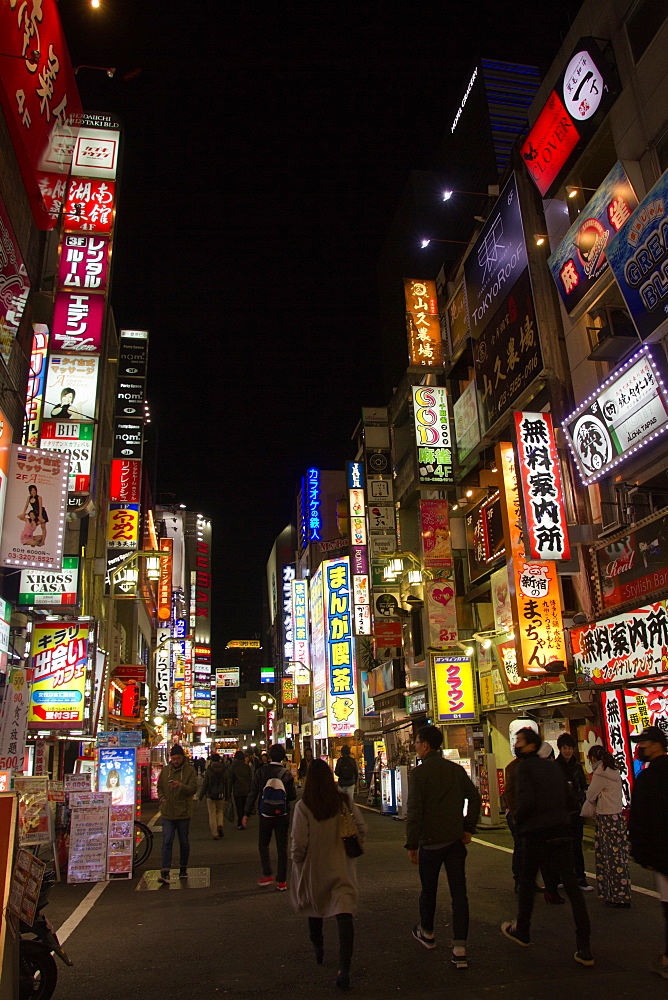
266	147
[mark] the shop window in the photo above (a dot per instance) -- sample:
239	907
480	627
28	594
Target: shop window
643	24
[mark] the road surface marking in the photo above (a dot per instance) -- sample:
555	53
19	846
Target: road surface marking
82	909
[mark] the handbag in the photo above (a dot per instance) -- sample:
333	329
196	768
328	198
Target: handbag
228	810
588	810
348	833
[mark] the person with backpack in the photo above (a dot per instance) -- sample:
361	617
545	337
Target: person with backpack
275	787
215	788
346	772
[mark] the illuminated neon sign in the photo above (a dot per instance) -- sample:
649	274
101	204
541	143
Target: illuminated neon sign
314	519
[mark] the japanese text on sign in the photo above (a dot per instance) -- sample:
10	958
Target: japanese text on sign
423	323
542	487
432	434
341	678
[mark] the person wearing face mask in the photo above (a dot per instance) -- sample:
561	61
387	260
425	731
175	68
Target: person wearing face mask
648	829
611	846
575	776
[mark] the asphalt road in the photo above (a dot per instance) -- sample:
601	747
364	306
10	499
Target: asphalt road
234	939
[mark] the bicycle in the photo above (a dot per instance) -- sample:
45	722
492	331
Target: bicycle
143	843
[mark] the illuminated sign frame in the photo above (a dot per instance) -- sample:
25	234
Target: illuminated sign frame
542	488
454	690
432	434
301	650
342	708
423	324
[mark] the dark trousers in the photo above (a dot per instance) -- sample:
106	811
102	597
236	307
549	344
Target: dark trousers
557	856
279	826
578	856
454	858
346	937
549	876
240	802
169	828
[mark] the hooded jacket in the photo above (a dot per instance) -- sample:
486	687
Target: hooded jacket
605	791
648	828
177	803
241	775
437	789
216	782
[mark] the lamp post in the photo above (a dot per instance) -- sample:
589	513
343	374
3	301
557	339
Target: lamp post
128	570
266	704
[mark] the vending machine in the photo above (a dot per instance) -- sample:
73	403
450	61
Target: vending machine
401	790
388	795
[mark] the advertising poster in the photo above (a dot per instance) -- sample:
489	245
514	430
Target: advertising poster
35	825
501	606
117	774
580	259
120	846
60	665
435	533
76	440
71	387
40	587
342	712
432	434
227	677
89	832
33	528
423	324
452	677
508	355
634	564
6	435
467	423
14	285
542	488
26	886
628	647
637	256
14	720
442	612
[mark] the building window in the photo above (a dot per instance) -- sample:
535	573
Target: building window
643	24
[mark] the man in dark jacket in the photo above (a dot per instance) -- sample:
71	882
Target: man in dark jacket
346	772
241	775
275	786
648	826
437	831
542	819
216	789
575	776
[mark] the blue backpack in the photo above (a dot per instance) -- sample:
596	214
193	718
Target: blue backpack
274	798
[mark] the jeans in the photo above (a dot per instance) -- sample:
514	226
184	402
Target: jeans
215	811
454	858
346	937
555	855
169	828
279	826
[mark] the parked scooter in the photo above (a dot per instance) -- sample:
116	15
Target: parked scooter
38	972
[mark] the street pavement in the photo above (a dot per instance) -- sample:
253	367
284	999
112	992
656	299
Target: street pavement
236	940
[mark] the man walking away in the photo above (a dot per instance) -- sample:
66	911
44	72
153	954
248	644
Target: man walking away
176	786
648	826
346	772
575	776
216	789
275	787
542	819
241	775
437	831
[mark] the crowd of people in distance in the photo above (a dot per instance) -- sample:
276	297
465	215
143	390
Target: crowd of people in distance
546	800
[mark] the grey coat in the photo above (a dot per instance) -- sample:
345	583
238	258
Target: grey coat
323	880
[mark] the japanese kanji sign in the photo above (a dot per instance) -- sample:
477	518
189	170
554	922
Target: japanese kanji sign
125	480
14	285
542	488
627	412
123	526
300	668
342	710
423	324
534	586
60	665
358	546
432	434
89	206
318	658
452	678
84	264
580	259
13	721
617	738
484	536
35	388
76	440
628	647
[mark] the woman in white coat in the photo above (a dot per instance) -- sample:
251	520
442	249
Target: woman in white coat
611	847
323	881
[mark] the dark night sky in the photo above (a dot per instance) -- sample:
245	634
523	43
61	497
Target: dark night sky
266	148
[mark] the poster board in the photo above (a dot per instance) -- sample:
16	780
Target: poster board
88	836
26	885
35	817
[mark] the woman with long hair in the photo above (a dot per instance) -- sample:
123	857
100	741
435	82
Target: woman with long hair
34	504
611	846
324	878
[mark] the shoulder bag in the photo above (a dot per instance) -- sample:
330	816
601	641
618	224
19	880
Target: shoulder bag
348	833
588	810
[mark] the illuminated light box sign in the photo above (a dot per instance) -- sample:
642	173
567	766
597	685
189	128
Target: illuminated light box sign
632	565
133	353
227	677
318	664
484	536
435	534
244	644
77	322
71	387
43	588
84	263
580	259
342	712
130	395
425	346
163	664
36	383
128	439
549	144
60	667
441	612
638	256
287	576
432	434
125	480
123	526
288	691
14	283
452	678
6	434
467	423
34	523
89	206
96	153
358	545
165	582
627	413
267	675
75	440
542	488
313	517
300	667
628	647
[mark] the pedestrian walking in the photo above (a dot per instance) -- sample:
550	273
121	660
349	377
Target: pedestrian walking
177	785
324	878
304	763
510	795
575	776
216	789
437	831
611	843
346	772
275	787
542	818
241	776
648	829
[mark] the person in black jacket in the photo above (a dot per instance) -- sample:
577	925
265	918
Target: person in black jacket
648	827
241	775
575	776
542	818
273	780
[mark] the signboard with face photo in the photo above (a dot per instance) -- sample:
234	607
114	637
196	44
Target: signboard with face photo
71	387
628	412
33	527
